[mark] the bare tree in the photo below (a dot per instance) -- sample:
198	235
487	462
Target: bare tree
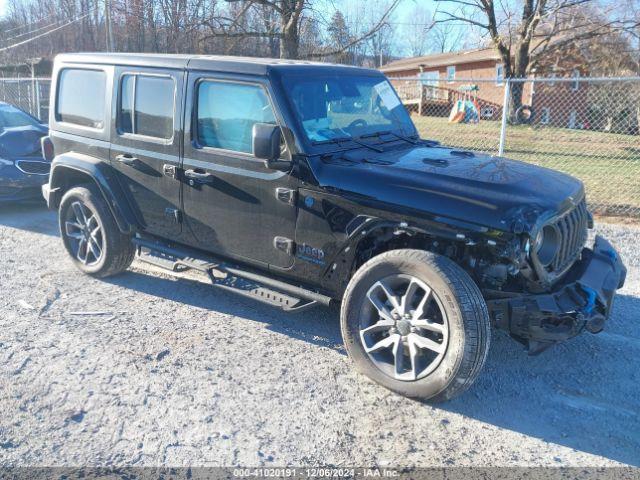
290	14
418	25
524	32
285	28
444	37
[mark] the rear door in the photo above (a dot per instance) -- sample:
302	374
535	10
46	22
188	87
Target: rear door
234	204
145	144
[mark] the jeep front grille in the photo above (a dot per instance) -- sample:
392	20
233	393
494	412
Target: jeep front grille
33	167
573	228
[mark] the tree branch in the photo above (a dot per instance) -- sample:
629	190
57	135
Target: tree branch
381	23
268	3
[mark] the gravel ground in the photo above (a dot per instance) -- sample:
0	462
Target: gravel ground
151	369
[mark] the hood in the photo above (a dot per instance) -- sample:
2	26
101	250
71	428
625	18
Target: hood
482	189
19	142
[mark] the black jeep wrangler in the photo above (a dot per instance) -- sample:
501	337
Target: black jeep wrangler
299	184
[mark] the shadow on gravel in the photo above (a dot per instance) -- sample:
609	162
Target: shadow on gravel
583	394
30	216
319	326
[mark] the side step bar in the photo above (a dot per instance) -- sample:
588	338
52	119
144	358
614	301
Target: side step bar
273	292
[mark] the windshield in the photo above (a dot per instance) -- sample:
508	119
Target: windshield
12	117
333	107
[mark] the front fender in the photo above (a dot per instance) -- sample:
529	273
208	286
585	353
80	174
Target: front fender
71	169
367	229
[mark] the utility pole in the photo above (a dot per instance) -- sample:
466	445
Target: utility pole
107	24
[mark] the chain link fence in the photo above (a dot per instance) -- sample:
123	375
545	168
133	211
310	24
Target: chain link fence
28	94
587	127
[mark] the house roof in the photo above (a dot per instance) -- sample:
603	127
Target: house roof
441	59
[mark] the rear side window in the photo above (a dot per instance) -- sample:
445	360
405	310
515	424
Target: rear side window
146	106
81	97
227	113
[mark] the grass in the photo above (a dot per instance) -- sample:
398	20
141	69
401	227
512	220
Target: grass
607	163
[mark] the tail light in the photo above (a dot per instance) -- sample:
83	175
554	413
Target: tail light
47	148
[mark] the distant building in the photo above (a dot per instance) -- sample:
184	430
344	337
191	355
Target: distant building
441	75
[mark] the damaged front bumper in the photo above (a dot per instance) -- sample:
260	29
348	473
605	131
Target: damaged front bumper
581	300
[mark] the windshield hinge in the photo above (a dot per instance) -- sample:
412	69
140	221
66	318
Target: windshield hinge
286	195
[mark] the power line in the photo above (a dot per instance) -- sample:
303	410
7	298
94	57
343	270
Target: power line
48	17
44	34
31	31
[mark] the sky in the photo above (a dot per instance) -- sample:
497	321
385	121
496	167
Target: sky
400	17
403	9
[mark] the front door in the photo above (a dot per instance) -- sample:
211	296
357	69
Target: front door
233	204
145	144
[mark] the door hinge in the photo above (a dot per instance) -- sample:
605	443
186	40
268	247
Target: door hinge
286	195
284	244
173	213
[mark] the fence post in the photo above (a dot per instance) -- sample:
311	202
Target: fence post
505	113
32	99
39	115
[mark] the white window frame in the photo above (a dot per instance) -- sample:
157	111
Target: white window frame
452	78
499	78
576	82
545	118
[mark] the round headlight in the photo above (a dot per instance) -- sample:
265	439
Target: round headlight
547	244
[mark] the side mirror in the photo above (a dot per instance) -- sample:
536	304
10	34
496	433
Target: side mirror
267	139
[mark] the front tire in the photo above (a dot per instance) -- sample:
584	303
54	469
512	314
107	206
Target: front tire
416	323
90	234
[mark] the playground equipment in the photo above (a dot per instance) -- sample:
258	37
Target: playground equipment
465	107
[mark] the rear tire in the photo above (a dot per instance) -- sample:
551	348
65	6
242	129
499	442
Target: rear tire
90	233
416	323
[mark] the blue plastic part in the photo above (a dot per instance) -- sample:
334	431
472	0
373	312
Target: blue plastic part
591	300
611	254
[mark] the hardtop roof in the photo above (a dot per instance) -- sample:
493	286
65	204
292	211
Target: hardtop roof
221	63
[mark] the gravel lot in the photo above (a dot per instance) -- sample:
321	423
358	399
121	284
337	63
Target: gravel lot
151	369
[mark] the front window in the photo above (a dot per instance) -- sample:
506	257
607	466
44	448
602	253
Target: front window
332	107
12	117
451	73
227	112
429	78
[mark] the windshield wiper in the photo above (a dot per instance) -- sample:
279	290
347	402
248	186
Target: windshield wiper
330	140
338	140
389	132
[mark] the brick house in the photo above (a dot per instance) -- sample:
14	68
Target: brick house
562	104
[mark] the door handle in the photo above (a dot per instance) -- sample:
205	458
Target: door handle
202	177
126	159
